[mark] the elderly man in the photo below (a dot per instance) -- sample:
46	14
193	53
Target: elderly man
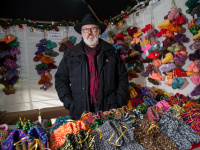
91	76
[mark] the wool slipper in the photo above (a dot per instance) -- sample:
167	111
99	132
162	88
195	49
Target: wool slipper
145	49
196	91
168	58
173	14
42	42
180	20
181	38
164	24
195	79
169	34
137	34
180	73
157	63
40	50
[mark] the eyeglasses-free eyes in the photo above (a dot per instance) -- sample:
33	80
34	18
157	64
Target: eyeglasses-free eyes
93	29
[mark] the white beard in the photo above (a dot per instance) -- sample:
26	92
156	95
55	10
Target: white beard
94	42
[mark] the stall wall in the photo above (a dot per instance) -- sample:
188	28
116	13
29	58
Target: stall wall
28	93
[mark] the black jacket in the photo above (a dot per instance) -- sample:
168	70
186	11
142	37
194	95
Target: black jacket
72	80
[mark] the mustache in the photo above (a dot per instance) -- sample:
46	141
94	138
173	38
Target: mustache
90	35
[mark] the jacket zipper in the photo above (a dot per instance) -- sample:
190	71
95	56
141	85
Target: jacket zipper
86	83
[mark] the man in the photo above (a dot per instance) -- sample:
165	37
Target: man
91	76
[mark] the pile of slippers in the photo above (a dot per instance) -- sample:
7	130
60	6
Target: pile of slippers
8	66
194	28
66	43
127	44
45	55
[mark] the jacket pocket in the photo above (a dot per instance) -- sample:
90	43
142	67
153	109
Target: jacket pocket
110	74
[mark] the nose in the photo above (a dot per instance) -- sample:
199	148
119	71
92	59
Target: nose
90	30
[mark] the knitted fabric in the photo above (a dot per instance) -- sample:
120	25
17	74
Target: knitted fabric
152	138
173	126
4	132
36	132
58	136
137	100
154	113
59	121
14	136
92	65
110	132
132	119
83	140
191	118
173	100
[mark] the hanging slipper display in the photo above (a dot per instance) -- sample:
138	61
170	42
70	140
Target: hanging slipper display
8	66
45	55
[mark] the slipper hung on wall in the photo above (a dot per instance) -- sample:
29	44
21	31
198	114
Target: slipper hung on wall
46	55
8	63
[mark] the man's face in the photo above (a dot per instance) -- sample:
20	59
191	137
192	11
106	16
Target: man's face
90	34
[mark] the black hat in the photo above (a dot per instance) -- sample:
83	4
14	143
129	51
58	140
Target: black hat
89	19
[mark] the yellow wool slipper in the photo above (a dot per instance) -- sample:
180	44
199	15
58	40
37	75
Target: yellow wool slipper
169	58
137	34
164	24
197	36
191	73
145	42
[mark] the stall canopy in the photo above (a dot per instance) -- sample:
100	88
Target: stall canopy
72	10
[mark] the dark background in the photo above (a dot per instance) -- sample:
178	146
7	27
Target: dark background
56	10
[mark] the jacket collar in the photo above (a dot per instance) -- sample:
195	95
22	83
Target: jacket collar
77	50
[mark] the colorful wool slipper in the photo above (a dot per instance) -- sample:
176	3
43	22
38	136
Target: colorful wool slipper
174	47
177	83
157	63
162	31
41	43
153	55
168	42
43	79
46	86
40	50
180	20
137	34
132	30
51	53
146	28
135	41
174	28
50	44
168	58
37	57
155	47
195	79
169	34
153	81
196	91
193	66
145	49
181	38
8	39
168	67
164	24
157	76
128	39
72	39
180	73
191	73
197	36
173	14
179	59
195	45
